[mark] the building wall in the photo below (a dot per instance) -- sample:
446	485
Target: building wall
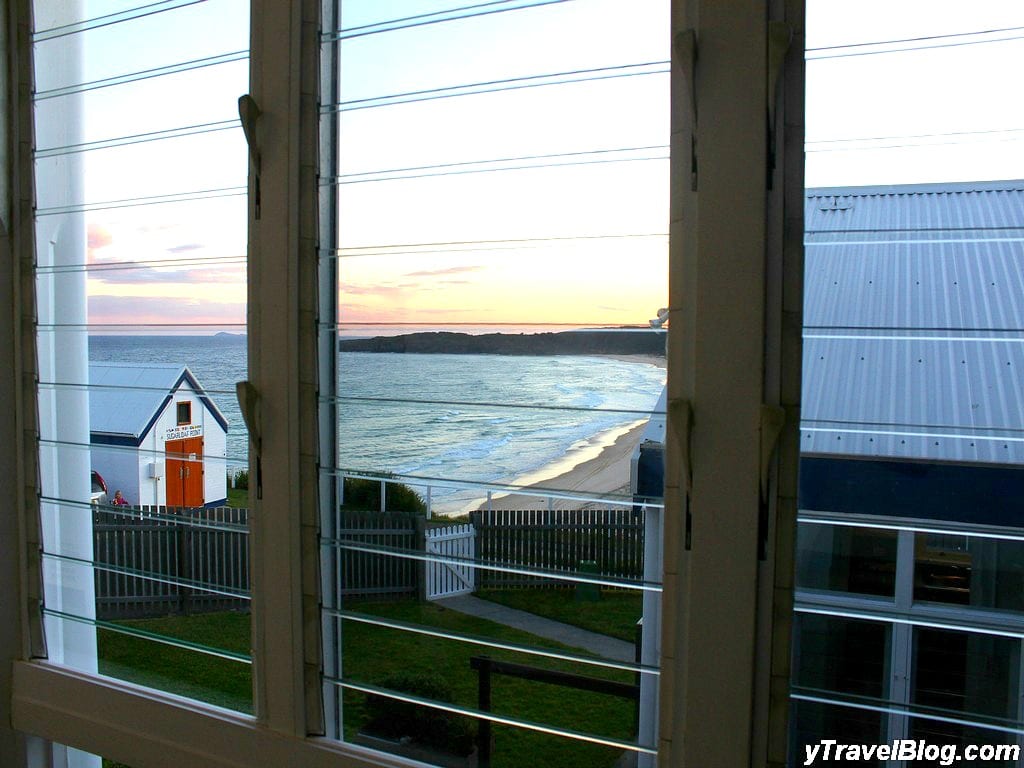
119	467
130	470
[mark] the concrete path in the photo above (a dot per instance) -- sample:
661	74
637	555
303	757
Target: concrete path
600	645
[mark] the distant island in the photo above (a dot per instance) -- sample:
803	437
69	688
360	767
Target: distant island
640	341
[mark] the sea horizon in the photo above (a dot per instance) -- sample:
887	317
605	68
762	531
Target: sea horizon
434	420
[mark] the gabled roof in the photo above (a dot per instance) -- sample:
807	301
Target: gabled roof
914	322
125	399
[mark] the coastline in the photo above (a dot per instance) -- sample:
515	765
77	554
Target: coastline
658	361
599	465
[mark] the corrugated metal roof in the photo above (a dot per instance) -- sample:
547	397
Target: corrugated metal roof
126	398
914	322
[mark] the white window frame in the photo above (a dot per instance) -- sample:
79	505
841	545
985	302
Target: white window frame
735	307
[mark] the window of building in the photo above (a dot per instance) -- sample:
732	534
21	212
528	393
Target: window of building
184	413
494	354
140	287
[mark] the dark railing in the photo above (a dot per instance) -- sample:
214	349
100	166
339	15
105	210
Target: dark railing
559	539
154	561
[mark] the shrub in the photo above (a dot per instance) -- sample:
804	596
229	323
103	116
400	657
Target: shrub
427	726
365	495
241	479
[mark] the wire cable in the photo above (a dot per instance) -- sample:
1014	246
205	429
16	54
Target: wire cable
912	48
144	513
107	266
354	545
134	202
853	139
456	246
425	19
495	86
487	642
153	576
96	22
477	714
916	39
638	412
483	487
145	74
445	169
139	138
124	629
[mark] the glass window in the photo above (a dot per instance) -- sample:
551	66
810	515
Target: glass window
184	413
911	410
846	559
969	570
966	672
140	170
840	664
498	369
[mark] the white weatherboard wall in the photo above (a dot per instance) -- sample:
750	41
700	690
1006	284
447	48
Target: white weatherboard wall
154	490
134	413
118	465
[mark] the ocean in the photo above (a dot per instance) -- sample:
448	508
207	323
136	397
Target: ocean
463	419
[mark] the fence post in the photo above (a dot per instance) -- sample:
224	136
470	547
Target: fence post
429	515
421	565
383	496
183	570
483	703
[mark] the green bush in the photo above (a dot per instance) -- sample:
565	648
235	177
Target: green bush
241	479
365	495
430	727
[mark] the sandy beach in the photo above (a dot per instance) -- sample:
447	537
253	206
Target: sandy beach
599	466
607	472
658	361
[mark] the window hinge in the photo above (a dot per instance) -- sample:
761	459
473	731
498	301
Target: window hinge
249	404
248	115
780	36
680	414
685	50
773	417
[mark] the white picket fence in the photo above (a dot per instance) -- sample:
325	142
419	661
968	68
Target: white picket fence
448	578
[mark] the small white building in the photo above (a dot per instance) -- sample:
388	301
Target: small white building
156	435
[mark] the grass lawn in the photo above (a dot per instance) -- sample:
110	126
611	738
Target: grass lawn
224	682
615	614
371	654
238	498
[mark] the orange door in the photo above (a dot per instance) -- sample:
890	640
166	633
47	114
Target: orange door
184	472
174	473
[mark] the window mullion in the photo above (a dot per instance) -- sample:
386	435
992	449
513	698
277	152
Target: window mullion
21	632
716	365
282	363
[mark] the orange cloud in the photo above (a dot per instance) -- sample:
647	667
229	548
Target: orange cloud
99	236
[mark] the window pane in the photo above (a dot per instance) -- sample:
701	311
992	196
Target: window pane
846	559
911	407
843	656
813	723
498	384
970	673
969	570
140	289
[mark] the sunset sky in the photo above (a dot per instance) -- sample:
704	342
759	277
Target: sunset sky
583	242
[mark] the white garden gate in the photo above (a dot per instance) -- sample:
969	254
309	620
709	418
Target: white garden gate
447	578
